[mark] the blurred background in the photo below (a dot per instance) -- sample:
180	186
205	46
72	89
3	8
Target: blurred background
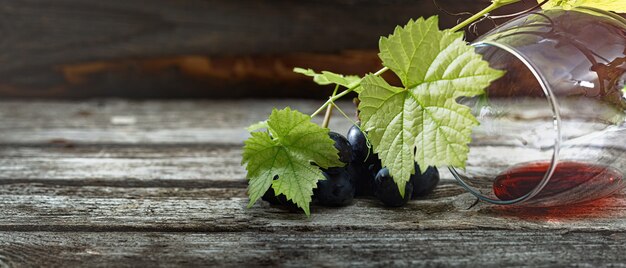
199	48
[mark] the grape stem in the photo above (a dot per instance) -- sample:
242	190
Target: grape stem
495	4
329	110
345	92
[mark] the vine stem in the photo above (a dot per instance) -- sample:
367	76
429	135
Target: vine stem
329	110
345	92
495	4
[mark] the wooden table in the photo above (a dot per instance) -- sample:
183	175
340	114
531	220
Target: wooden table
119	183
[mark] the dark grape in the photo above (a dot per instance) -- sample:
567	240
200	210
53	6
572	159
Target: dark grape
425	183
337	190
365	163
362	179
343	146
357	141
373	164
387	191
280	200
271	197
366	173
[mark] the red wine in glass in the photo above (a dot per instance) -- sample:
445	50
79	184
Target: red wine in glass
570	180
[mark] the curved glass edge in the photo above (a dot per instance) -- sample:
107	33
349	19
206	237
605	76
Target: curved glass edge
600	12
545	86
496	32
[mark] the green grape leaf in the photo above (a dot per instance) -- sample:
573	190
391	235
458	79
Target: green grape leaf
618	6
327	78
292	152
356	86
421	121
257	126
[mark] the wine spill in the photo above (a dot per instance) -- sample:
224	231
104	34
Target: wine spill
570	179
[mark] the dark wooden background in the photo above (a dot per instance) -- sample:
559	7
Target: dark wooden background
196	48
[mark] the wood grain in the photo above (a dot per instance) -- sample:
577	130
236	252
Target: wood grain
154	166
37	207
183	165
193	48
111	121
96	183
143	122
485	248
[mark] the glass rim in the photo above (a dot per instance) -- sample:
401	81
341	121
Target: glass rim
547	89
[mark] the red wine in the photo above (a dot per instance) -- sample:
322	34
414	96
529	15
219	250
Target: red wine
576	180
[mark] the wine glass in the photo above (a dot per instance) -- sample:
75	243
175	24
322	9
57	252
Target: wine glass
552	129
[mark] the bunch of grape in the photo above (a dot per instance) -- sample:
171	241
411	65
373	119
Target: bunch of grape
362	176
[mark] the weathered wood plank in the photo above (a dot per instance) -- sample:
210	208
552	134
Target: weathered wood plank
187	165
179	199
127	166
139	28
190	48
486	248
215	122
131	166
149	122
198	76
34	207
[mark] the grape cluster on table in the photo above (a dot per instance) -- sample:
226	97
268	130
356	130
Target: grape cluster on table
362	176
